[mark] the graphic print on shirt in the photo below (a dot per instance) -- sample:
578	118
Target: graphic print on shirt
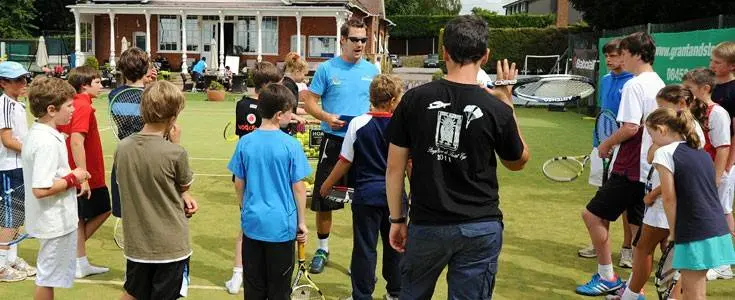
437	105
472	112
446	138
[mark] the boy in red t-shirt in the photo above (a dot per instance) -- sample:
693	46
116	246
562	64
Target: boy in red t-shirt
85	151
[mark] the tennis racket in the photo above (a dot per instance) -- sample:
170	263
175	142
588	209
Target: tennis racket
303	287
125	118
549	88
12	214
229	132
118	235
565	168
605	126
341	194
666	275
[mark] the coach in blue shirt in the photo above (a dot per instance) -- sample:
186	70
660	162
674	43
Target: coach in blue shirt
343	84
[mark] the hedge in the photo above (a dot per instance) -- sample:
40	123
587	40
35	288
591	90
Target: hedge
420	26
515	43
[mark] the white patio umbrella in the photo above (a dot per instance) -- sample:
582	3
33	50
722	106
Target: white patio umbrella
213	56
41	53
123	45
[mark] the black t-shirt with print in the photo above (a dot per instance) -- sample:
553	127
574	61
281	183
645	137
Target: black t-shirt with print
453	132
247	117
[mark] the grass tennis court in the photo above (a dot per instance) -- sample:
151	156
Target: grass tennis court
543	229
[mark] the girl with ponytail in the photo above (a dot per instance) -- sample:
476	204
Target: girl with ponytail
697	225
294	76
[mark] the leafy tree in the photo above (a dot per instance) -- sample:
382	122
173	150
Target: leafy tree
54	15
611	14
15	18
479	11
422	7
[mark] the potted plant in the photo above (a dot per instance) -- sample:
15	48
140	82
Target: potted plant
216	91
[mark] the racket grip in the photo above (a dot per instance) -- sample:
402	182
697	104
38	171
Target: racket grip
301	252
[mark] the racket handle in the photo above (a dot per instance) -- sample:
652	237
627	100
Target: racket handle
301	252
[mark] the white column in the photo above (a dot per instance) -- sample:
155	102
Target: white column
221	43
112	39
183	41
77	39
298	34
260	36
338	49
147	32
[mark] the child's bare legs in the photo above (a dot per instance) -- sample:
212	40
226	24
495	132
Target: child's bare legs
626	253
643	257
694	284
730	223
233	285
126	296
85	230
44	293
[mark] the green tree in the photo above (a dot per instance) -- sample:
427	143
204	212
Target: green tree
422	7
479	11
15	18
611	14
53	15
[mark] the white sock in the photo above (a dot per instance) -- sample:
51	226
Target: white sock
13	254
324	244
82	261
237	272
629	295
3	258
606	272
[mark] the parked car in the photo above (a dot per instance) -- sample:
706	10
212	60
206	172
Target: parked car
432	61
395	61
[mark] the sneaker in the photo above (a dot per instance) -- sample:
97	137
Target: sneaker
721	272
21	265
233	285
619	294
11	275
626	258
320	260
598	286
84	271
587	252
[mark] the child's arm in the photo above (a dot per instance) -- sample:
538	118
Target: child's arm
721	157
239	190
299	192
59	185
80	159
339	171
190	204
668	192
651	152
650	198
6	135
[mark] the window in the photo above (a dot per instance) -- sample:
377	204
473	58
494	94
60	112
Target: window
303	43
322	46
86	36
246	36
169	34
193	33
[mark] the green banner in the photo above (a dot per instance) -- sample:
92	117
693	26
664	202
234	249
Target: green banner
677	53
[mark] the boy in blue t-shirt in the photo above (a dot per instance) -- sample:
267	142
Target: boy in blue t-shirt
272	215
366	148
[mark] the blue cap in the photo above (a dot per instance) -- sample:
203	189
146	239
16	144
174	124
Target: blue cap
12	70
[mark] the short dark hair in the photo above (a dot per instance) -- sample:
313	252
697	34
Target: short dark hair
275	97
352	22
81	76
204	58
48	91
612	46
264	73
640	43
465	39
134	64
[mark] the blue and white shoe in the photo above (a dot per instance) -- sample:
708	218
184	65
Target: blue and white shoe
619	294
598	286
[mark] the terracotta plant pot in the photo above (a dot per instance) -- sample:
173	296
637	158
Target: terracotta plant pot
215	95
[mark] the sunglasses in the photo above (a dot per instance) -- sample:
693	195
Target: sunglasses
355	39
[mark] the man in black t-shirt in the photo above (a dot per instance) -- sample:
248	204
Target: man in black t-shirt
452	129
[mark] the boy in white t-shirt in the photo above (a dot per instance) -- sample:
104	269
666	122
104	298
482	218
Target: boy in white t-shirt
13	128
51	187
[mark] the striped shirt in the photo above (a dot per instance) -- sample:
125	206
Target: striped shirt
12	116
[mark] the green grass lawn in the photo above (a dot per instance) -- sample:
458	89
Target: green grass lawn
543	229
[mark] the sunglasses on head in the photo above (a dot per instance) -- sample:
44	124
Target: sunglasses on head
356	39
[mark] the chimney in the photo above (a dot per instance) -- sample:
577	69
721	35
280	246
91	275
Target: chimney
562	13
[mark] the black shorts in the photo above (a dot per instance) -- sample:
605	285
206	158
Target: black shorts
619	195
149	281
12	209
97	204
329	150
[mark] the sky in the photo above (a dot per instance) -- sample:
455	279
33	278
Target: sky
496	5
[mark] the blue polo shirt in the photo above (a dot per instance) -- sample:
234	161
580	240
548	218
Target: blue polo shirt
199	67
271	161
344	88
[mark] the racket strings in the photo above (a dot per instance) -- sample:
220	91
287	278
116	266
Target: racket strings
12	214
125	118
605	126
563	169
306	292
561	88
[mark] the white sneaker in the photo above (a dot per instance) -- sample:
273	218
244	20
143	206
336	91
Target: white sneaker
721	272
84	271
233	285
587	252
626	258
11	275
21	265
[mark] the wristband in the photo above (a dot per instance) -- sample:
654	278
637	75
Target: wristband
71	180
400	220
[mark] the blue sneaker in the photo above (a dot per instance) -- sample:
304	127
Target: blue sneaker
619	294
598	286
320	259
